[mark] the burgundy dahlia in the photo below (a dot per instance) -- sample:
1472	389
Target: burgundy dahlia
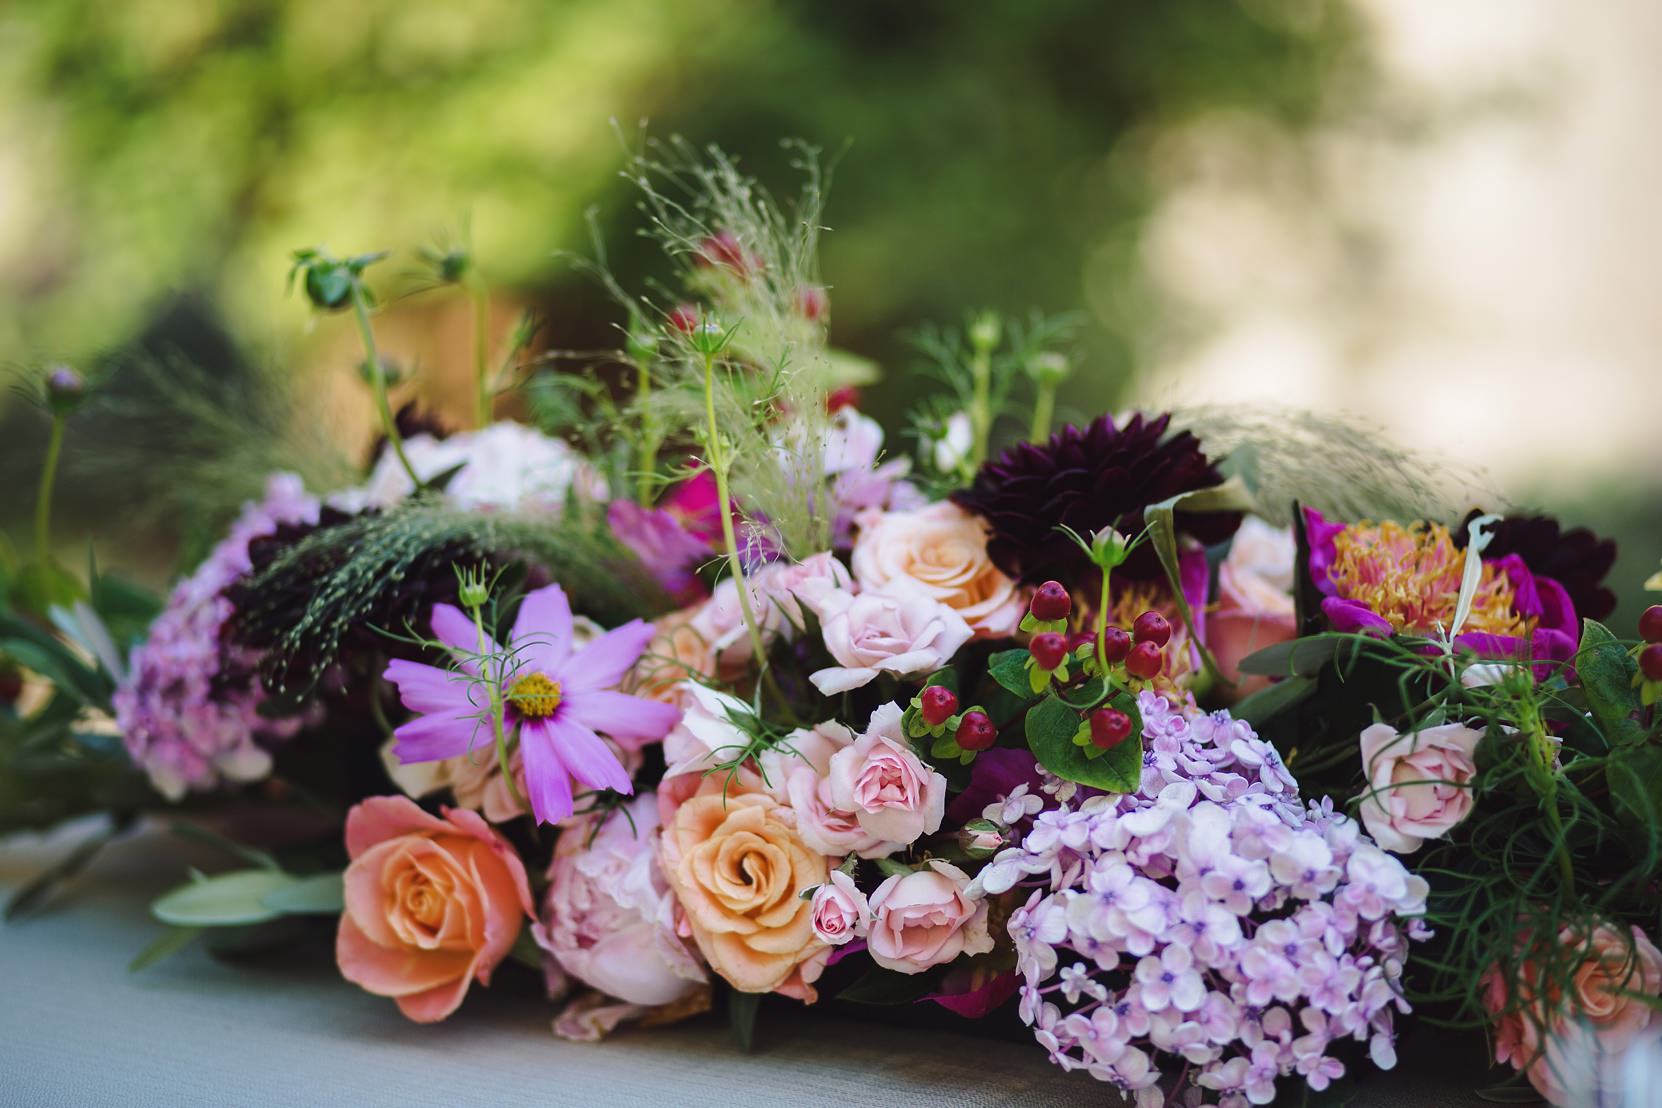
1089	478
1577	559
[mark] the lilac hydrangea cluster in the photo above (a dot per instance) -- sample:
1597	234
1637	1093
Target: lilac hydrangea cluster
1208	925
189	704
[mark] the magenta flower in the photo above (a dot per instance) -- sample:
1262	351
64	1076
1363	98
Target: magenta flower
557	698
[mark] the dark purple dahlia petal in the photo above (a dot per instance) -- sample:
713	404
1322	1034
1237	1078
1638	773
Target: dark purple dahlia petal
1577	559
1089	478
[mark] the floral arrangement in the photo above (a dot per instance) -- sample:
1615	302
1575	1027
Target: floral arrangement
681	691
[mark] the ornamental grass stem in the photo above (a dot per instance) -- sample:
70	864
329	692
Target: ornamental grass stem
718	466
493	690
43	499
378	383
981	407
648	463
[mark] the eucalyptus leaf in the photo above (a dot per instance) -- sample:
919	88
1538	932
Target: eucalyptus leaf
321	895
1267	703
167	944
229	900
1051	725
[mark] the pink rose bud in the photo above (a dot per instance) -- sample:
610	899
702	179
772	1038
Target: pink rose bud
841	913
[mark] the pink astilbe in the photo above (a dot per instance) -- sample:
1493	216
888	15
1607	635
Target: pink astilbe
556	697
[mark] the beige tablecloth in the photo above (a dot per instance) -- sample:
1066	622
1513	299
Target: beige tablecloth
78	1031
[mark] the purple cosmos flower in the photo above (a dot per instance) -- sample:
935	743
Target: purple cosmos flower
557	698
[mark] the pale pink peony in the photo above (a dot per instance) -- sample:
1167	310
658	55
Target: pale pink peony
609	919
841	913
925	919
892	794
1255	600
431	904
943	550
900	630
1419	785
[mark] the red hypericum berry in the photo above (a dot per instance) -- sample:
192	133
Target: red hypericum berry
976	731
1081	638
1048	649
843	396
1109	727
937	703
1152	627
1650	662
684	318
1650	623
1144	661
812	302
722	248
1051	602
1116	645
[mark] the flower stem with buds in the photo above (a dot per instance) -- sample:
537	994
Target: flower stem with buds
649	431
718	466
493	690
981	407
378	383
1044	405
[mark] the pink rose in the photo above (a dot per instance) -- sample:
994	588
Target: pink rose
783	587
1571	1047
1255	600
1419	785
925	919
840	910
431	904
852	442
900	630
943	550
609	919
795	774
893	795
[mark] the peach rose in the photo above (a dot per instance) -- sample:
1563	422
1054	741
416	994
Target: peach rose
1419	785
925	919
942	549
1588	1031
892	794
431	904
739	869
900	630
1255	600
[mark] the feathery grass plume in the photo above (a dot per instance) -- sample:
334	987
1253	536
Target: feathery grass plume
751	264
1341	466
354	574
170	437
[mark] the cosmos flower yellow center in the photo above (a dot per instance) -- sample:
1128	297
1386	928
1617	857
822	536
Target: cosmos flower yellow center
1411	576
535	695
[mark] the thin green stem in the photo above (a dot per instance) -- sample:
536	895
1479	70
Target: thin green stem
1102	626
481	352
718	466
1044	406
493	690
378	383
43	500
648	463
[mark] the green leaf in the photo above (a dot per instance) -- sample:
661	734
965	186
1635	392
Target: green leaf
1051	725
1304	657
526	952
1267	703
1009	669
741	1017
167	944
33	894
197	833
229	900
321	895
891	868
1088	695
880	986
1606	670
1634	774
946	678
1231	496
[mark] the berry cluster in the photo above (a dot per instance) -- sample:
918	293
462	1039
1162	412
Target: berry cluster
1650	629
957	735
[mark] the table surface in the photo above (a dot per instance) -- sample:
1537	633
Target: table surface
76	1029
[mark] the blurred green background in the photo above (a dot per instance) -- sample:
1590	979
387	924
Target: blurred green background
160	159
